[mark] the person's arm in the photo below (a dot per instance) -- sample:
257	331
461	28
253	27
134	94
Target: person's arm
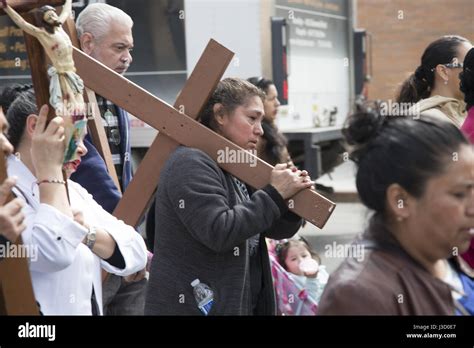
27	27
66	12
314	288
194	179
51	229
104	245
53	236
288	224
92	175
11	215
112	234
47	153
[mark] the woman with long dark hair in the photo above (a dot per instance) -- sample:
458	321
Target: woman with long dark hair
434	85
272	144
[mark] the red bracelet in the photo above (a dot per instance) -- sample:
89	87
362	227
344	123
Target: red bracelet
51	181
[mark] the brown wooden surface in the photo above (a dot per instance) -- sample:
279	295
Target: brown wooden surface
26	5
202	82
16	291
95	126
17	296
308	204
39	75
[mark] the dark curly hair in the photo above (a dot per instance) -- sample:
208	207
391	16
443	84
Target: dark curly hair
467	79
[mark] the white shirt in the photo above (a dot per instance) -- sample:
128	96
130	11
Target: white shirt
65	270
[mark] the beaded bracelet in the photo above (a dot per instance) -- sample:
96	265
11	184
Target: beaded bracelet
51	181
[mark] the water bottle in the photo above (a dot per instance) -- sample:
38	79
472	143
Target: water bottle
203	295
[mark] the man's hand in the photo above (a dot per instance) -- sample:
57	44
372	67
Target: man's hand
48	146
3	3
79	217
141	274
11	215
135	277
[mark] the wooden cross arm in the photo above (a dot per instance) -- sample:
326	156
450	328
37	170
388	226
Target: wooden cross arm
308	204
27	5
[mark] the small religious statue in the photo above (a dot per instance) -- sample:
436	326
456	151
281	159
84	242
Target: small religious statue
65	87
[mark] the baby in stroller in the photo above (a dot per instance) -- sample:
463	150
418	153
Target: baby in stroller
298	276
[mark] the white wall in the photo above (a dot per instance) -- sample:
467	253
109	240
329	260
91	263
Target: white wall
316	84
233	23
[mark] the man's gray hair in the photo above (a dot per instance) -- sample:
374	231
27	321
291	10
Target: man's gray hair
96	19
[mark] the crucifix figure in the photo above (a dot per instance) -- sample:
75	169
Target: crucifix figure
65	87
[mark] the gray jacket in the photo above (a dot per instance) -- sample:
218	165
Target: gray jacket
202	231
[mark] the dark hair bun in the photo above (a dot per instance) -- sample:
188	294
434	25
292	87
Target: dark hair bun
362	127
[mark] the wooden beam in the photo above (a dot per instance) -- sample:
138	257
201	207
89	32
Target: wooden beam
39	75
198	89
16	292
308	204
27	5
94	123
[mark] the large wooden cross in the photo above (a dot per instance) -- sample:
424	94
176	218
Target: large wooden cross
176	125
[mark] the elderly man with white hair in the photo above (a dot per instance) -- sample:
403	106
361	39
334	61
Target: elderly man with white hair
105	34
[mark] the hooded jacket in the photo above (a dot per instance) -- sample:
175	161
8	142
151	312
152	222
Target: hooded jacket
444	108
